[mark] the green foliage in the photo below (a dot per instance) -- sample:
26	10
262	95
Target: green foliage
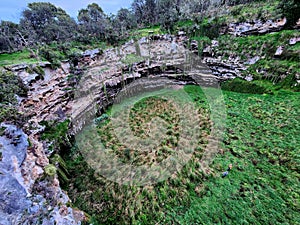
92	21
9	113
254	10
45	22
57	167
252	87
50	170
102	119
291	10
74	55
53	56
10	86
57	133
35	69
205	27
269	68
8	40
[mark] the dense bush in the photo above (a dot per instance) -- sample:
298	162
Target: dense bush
243	86
52	56
291	10
10	86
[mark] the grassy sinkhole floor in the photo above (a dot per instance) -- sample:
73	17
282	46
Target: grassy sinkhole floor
261	141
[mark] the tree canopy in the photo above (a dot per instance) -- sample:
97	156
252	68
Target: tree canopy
42	22
46	22
93	21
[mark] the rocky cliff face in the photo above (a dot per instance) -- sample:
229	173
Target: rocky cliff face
154	57
19	205
13	193
28	196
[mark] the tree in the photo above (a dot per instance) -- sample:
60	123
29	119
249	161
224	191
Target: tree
124	20
145	11
168	15
93	21
46	23
291	10
11	38
190	7
150	11
138	8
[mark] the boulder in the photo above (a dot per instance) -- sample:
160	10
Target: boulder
214	43
256	27
279	51
297	26
91	53
294	40
207	51
253	60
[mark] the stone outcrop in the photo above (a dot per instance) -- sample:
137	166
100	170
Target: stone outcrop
225	69
294	40
24	66
13	201
256	27
222	69
279	51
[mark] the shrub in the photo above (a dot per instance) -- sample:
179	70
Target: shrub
243	86
50	170
10	86
52	56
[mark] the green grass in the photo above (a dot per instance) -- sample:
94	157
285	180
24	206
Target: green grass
253	11
261	141
145	32
132	58
263	188
16	58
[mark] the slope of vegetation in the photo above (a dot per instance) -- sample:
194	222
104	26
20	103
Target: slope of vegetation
261	142
262	188
10	86
265	47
